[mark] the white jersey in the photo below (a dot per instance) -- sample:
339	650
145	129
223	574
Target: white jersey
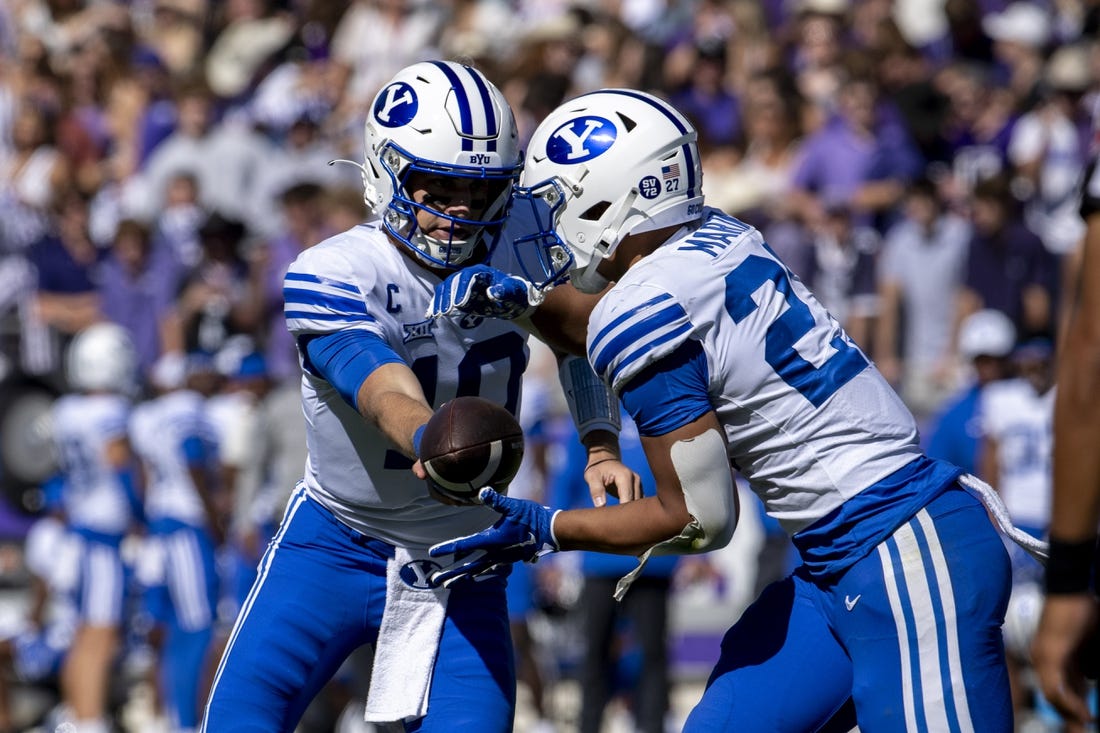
94	498
359	280
809	422
1021	422
158	430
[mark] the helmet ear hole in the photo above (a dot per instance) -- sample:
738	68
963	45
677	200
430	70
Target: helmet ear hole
628	123
595	211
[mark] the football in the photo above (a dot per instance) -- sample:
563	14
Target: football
469	443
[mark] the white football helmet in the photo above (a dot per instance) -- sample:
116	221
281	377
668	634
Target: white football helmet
600	167
102	358
987	332
443	119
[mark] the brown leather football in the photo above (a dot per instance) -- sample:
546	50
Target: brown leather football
469	443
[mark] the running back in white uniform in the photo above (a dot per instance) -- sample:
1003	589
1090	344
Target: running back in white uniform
903	587
898	604
810	423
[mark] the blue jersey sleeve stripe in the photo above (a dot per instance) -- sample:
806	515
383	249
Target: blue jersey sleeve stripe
622	367
641	330
624	318
307	278
312	316
297	296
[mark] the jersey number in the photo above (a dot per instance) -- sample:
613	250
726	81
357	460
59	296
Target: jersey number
77	463
506	347
816	384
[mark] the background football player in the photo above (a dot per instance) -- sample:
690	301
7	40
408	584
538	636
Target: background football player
100	502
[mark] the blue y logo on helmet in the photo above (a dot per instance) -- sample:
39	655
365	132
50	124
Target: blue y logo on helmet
580	139
396	105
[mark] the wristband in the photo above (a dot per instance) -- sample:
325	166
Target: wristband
1069	568
416	439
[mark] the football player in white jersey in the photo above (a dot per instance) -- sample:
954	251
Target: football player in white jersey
100	503
349	565
726	361
178	448
1016	443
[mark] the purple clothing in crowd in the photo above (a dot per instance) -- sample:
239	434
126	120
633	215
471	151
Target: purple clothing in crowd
279	350
836	161
1000	267
139	302
717	117
57	271
977	158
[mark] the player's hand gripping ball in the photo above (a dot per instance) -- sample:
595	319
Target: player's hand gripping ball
469	443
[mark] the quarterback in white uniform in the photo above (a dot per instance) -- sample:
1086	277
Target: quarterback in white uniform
349	565
726	361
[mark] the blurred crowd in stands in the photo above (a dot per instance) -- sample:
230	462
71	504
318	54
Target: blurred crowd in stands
916	162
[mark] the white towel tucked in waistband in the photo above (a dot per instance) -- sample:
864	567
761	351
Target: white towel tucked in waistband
1038	549
404	654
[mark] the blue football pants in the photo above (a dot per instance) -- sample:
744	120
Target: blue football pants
911	634
185	605
319	594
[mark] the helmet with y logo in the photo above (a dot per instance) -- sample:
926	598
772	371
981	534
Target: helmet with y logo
448	121
600	167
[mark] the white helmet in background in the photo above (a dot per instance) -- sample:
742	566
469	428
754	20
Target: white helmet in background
102	358
443	119
600	167
986	332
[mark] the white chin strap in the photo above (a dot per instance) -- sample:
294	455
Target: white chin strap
587	279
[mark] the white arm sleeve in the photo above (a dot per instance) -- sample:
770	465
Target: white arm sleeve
703	468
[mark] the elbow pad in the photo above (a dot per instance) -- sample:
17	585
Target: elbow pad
591	403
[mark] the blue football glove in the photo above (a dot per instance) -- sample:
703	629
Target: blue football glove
484	291
522	534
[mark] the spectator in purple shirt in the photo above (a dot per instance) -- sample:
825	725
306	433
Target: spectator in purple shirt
976	129
1008	268
138	283
862	156
705	99
65	260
